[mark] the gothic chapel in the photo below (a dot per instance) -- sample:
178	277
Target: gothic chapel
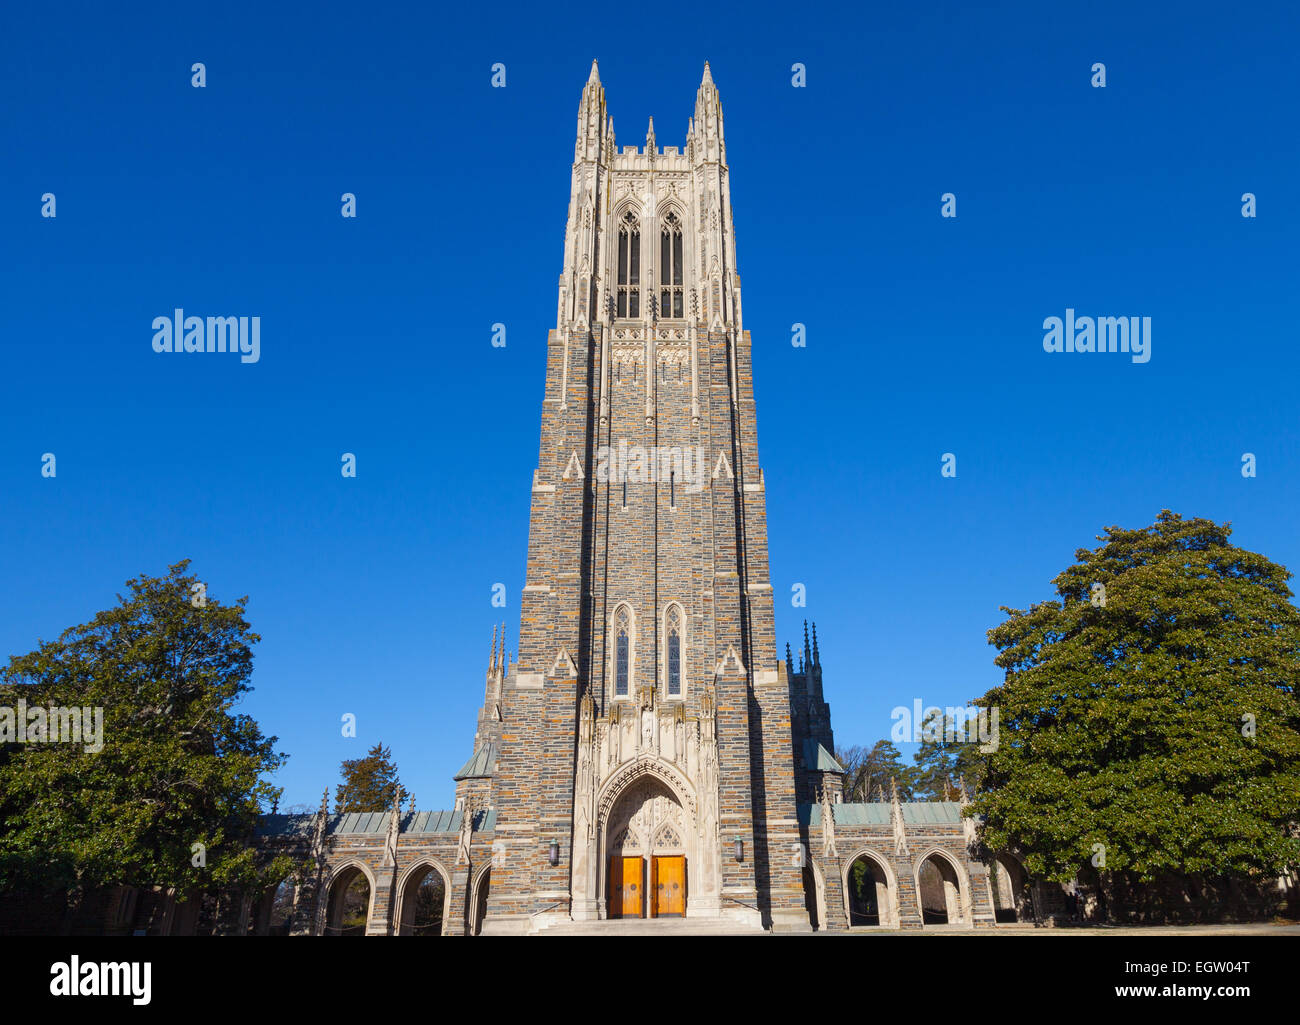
646	629
646	755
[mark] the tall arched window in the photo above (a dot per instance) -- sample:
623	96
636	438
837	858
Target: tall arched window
622	652
673	651
670	266
629	266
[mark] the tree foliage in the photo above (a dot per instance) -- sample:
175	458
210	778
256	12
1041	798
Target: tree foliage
369	783
1155	716
178	766
948	759
869	771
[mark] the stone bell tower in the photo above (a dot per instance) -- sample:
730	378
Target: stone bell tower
644	761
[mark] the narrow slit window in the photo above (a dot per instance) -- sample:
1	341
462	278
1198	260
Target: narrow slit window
622	653
674	659
670	267
629	267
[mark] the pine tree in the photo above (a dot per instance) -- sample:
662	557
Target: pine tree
869	771
369	783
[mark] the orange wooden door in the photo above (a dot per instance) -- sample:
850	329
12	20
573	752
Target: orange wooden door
624	887
670	885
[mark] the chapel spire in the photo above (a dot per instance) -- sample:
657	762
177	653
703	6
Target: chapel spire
592	119
709	144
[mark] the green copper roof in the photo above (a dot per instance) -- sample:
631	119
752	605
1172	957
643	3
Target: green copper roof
878	813
817	757
483	762
932	813
372	822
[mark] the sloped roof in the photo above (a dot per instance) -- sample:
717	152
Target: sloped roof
482	763
285	825
817	757
372	822
932	812
877	813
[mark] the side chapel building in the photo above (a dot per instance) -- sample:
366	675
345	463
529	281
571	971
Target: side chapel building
648	754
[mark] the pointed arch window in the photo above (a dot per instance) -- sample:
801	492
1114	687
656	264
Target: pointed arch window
622	652
629	266
673	636
670	266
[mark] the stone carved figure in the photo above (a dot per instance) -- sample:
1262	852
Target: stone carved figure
896	814
828	826
394	829
466	833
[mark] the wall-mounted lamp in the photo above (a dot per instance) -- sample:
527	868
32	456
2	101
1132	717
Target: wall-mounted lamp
740	849
555	852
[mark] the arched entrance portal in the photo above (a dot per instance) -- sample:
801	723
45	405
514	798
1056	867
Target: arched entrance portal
646	856
940	891
424	902
479	901
870	895
1011	898
349	903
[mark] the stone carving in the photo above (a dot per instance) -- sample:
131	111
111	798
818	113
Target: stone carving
896	814
647	809
466	833
617	784
674	355
828	826
394	827
709	853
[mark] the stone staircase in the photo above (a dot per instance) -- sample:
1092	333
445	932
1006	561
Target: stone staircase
653	927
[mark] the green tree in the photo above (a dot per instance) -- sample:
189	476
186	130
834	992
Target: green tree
947	759
369	783
178	767
1155	715
869	771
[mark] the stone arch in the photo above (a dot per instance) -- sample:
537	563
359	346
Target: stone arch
271	909
615	813
1011	896
340	880
476	906
955	888
621	208
625	777
886	888
817	898
668	838
671	204
414	876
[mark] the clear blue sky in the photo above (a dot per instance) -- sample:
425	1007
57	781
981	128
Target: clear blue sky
924	334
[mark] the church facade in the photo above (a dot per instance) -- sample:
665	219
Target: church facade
647	754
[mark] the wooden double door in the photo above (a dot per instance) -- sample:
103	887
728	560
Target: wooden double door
628	889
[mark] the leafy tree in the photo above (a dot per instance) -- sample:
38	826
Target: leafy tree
948	758
870	770
369	783
1156	715
178	767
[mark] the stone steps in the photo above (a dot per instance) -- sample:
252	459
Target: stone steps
653	927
